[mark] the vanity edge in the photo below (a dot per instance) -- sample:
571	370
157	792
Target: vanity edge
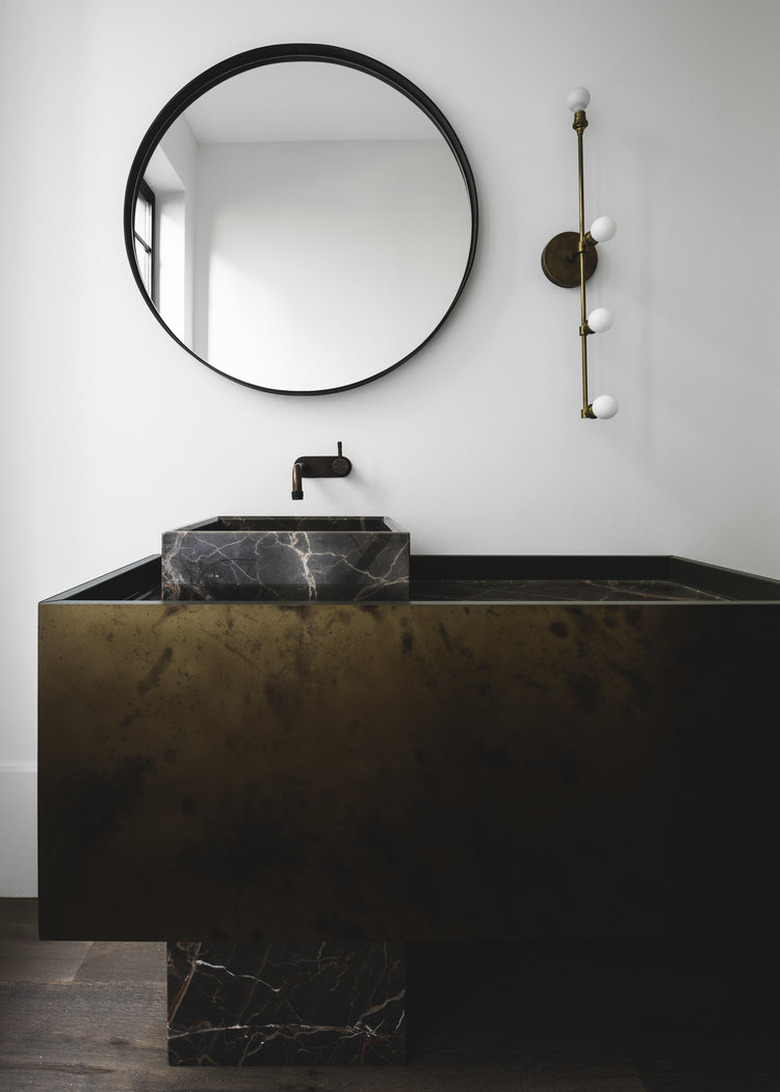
140	580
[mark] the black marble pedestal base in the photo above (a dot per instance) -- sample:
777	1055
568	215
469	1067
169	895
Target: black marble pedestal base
285	1004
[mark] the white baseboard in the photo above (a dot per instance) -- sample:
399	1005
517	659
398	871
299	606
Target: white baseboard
18	831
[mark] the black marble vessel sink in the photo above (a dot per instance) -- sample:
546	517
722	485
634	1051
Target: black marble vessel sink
327	558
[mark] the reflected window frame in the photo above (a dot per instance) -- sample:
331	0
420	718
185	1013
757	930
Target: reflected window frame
145	238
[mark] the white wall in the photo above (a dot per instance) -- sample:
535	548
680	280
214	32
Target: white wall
111	433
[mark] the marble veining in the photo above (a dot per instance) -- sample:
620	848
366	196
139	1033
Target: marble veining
253	1004
312	559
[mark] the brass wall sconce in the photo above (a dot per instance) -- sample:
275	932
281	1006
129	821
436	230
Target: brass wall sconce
570	258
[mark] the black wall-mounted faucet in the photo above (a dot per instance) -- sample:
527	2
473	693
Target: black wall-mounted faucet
318	466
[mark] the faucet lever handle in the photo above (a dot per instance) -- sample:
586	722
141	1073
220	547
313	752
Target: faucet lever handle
341	465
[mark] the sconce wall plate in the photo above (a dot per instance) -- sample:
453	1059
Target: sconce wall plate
561	261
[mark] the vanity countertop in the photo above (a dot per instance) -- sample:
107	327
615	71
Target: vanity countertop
510	579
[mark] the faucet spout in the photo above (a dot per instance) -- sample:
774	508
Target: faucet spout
318	466
297	480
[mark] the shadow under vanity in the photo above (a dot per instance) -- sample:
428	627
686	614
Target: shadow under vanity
526	749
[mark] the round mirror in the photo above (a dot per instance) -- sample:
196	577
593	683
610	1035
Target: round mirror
301	218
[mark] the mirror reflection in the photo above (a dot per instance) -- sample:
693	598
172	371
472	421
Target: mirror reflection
303	227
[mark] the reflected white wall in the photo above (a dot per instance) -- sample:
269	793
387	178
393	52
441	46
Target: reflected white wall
323	262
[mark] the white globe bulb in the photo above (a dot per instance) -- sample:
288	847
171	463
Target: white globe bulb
578	99
600	320
605	406
603	229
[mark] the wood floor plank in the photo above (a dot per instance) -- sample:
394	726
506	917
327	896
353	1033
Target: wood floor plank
75	1078
92	1017
96	1035
23	958
25	961
119	961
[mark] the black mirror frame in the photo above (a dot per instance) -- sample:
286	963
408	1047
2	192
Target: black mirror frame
257	58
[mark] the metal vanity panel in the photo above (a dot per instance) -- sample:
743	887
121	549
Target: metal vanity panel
404	771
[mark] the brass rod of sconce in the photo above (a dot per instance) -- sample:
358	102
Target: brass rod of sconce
586	410
569	259
579	125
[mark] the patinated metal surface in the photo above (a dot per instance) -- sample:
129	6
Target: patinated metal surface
403	771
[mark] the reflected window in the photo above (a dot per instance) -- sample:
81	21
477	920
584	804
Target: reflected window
145	239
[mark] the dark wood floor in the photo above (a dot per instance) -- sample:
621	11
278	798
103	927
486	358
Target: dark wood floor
83	1017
